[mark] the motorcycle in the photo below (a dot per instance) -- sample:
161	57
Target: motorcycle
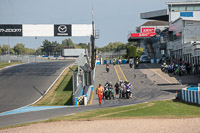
170	69
131	65
128	93
182	70
120	61
176	70
163	67
107	69
136	64
108	93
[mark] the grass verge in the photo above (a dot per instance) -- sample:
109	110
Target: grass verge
157	109
61	93
5	64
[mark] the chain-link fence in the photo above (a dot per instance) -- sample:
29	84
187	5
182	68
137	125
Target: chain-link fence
112	54
22	58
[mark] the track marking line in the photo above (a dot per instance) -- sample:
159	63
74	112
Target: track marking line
92	97
43	94
117	73
122	73
158	74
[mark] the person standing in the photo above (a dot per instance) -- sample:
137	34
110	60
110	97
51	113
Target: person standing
100	93
117	87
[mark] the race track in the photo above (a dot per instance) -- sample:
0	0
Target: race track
22	85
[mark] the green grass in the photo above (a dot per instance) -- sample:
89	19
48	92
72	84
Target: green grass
5	64
62	94
158	109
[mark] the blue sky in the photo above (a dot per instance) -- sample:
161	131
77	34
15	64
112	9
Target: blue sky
113	18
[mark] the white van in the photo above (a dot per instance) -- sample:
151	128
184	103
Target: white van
145	59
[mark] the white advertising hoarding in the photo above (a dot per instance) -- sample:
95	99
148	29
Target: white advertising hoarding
73	52
81	29
38	29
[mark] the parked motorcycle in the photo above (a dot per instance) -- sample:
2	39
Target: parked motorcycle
182	70
170	69
164	68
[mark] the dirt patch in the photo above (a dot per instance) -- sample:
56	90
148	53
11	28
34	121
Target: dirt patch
113	126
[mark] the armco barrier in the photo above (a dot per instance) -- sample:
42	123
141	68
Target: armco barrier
111	61
191	96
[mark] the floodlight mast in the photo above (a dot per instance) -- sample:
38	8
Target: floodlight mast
93	42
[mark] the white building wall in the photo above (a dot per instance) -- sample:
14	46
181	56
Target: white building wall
175	15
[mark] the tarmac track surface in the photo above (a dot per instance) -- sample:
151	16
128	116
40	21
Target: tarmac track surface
22	85
144	90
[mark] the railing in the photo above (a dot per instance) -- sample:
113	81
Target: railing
22	58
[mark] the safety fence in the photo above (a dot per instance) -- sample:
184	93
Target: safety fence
85	93
111	62
191	95
22	58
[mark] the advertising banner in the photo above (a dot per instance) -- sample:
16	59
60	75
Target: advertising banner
62	30
143	34
10	30
38	30
149	30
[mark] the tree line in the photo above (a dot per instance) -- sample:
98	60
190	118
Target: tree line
132	48
47	48
18	49
55	48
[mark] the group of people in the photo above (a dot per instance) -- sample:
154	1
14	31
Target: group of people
123	89
178	67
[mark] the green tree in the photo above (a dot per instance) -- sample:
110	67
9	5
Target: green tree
12	51
5	49
48	47
38	51
131	51
29	51
81	45
140	51
19	48
68	43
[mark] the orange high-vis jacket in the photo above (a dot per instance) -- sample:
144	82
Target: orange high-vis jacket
100	90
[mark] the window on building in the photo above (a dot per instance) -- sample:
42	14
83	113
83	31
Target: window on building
175	8
190	8
182	8
197	7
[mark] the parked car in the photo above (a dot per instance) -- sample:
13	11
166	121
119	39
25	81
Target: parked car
145	59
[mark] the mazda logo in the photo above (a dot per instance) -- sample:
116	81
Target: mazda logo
62	28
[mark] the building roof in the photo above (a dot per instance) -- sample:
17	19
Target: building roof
156	15
155	23
186	18
184	2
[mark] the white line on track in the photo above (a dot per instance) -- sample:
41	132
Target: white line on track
43	94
